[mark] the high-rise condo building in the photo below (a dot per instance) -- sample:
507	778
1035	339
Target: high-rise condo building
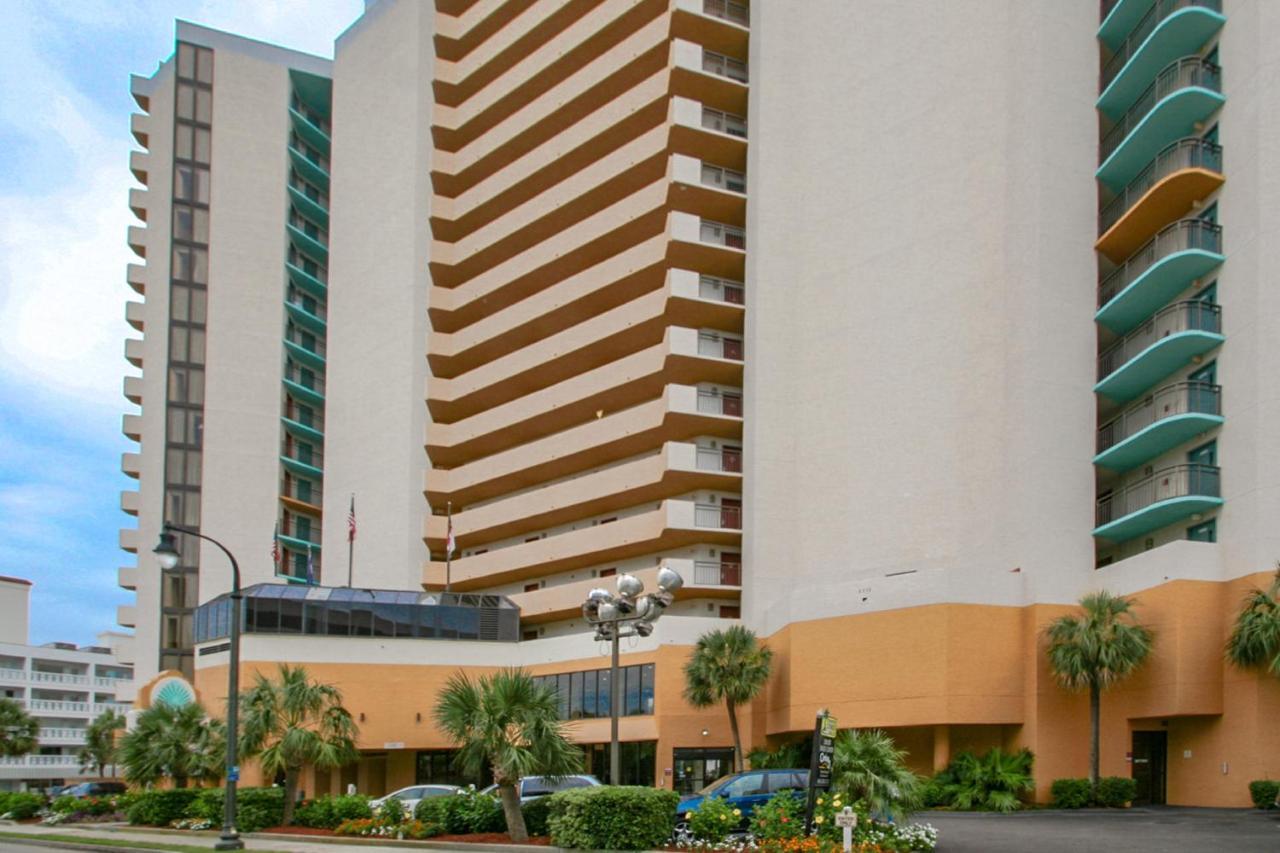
894	327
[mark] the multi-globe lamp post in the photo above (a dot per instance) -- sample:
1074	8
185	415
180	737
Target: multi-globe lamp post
167	554
630	613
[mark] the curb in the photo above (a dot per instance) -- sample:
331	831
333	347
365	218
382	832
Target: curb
36	841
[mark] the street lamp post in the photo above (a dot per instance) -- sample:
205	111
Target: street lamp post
628	614
167	554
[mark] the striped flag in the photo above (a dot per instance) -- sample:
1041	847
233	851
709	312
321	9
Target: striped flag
311	567
351	520
449	544
275	548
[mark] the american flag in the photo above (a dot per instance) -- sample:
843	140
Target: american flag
311	567
351	521
449	544
275	548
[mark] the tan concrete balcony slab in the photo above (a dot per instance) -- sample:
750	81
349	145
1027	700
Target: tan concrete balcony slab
568	100
137	238
140	127
564	601
695	75
718	24
141	88
462	25
672	524
690	249
131	425
136	276
678	413
712	136
675	469
127	615
677	359
139	163
706	190
528	68
138	202
135	314
133	348
133	391
129	501
131	464
129	539
459	76
127	577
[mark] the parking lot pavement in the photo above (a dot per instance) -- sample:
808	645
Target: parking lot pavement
1138	830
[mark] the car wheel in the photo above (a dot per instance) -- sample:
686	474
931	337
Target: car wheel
682	834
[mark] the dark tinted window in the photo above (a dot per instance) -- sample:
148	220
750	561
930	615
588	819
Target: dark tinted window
784	780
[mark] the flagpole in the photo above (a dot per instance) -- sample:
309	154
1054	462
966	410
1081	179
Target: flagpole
448	547
351	540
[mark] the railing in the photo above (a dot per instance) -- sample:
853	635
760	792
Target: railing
60	761
721	290
1180	398
1181	236
1107	6
1193	315
300	145
58	705
317	309
1177	481
724	122
1190	153
727	460
37	677
309	381
312	457
719	234
717	347
728	10
296	104
291	487
311	191
118	707
1157	13
724	66
76	735
706	573
710	515
725	179
713	403
311	229
311	418
293	530
315	345
1179	74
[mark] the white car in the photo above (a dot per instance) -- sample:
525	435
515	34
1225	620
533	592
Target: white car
533	787
413	795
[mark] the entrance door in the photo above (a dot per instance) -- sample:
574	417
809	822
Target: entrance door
731	513
697	768
1150	760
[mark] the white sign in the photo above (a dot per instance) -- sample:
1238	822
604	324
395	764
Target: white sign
847	818
393	744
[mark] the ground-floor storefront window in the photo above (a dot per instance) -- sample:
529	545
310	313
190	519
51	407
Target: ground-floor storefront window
638	760
435	767
697	768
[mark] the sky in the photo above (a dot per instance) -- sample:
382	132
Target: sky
64	186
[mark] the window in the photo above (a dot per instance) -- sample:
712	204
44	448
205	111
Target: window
1209	214
750	785
1205	454
1204	532
638	760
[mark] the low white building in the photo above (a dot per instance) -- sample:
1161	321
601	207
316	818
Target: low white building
63	686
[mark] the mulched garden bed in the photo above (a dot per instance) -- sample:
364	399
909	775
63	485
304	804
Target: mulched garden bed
476	838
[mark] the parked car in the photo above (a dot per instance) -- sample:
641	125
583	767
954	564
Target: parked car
743	791
94	789
533	787
413	795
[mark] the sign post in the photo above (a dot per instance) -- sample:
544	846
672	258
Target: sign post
847	820
824	747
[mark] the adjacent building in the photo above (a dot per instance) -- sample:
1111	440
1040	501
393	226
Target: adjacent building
894	327
63	686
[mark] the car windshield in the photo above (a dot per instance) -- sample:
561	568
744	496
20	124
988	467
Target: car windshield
716	785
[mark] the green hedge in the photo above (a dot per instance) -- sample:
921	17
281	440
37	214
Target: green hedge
328	812
462	813
1114	792
20	805
256	808
1264	793
161	808
612	818
536	813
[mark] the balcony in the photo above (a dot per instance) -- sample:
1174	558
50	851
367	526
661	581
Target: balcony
127	577
717	403
711	78
304	387
306	349
1170	416
129	539
301	496
133	348
1169	29
309	131
129	502
724	459
136	235
127	616
1168	340
131	464
136	276
309	207
1163	498
304	431
132	393
140	127
308	245
728	10
61	735
719	234
717	517
138	203
1159	271
131	425
722	122
1185	94
316	174
304	462
37	706
1168	188
306	281
135	314
138	164
313	318
713	345
708	573
724	66
45	762
299	539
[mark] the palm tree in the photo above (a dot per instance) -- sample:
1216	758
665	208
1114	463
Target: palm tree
506	722
18	730
294	722
728	666
869	767
1094	650
1255	639
179	742
100	747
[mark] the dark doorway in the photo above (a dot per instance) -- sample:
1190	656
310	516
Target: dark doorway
1150	763
697	768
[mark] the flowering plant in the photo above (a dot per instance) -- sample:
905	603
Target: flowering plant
713	820
380	828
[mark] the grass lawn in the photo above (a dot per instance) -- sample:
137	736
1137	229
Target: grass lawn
105	842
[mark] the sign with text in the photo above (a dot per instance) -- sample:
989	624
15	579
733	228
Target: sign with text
820	763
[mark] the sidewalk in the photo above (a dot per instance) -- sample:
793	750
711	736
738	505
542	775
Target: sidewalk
253	841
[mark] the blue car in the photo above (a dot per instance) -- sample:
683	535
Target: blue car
743	791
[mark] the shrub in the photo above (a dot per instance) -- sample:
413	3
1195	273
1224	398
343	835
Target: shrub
780	818
351	807
434	810
1264	793
377	827
392	811
161	808
256	808
327	812
65	805
1115	792
21	805
612	818
933	793
1069	793
479	812
713	820
993	782
535	814
207	805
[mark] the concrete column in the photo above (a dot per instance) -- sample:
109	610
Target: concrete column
941	747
